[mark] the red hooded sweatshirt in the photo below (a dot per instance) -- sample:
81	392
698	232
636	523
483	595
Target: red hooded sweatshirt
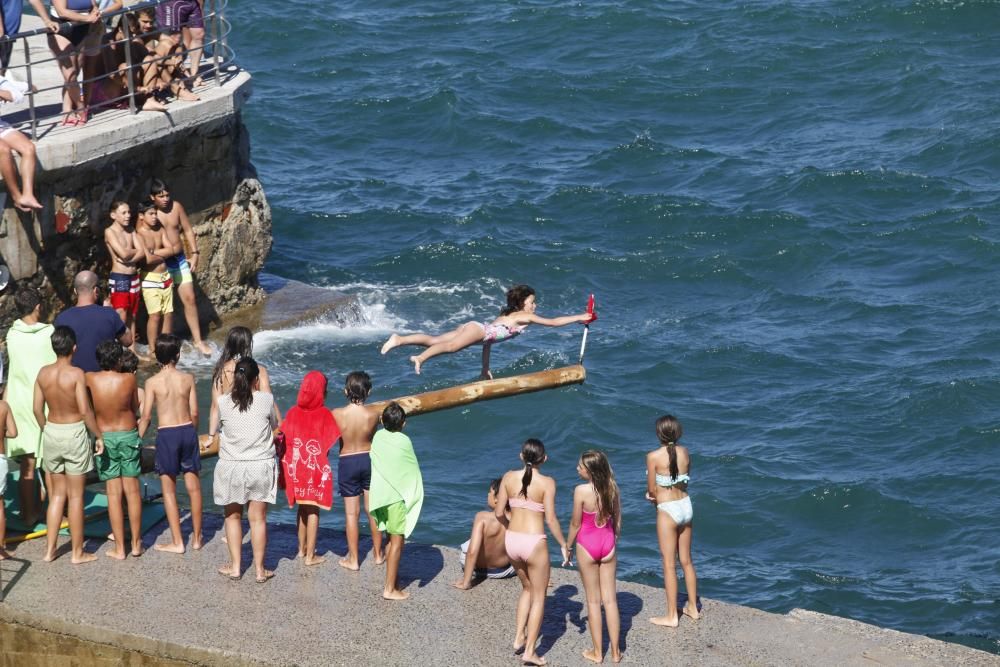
310	431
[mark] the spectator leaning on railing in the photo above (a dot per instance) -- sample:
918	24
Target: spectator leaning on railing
11	25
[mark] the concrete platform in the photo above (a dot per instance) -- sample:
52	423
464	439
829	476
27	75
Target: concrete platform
179	608
111	130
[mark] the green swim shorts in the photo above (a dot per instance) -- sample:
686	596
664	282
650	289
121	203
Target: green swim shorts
391	518
67	449
121	455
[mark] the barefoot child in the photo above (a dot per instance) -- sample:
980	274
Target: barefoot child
310	431
667	476
357	426
513	319
126	253
11	140
172	393
484	553
68	456
157	287
9	431
595	526
116	403
397	492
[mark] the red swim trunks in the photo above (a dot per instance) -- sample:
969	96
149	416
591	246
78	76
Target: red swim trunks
125	292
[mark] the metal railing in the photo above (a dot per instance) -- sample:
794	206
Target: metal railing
216	55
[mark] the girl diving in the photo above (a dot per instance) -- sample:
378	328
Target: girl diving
514	318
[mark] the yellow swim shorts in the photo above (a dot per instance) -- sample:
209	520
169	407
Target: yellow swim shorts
158	293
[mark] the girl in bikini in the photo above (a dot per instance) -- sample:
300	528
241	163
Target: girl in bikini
594	527
532	499
513	320
667	476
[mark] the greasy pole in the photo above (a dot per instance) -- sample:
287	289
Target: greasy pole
450	397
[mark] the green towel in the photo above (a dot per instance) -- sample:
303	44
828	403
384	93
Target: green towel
396	476
28	348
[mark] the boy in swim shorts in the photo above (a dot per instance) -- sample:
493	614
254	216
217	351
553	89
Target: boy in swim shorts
116	403
354	468
126	253
484	553
9	431
397	492
172	393
68	455
157	285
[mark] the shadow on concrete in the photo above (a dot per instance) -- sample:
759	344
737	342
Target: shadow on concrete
8	580
629	606
419	563
561	610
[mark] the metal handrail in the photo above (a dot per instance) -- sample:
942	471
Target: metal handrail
222	56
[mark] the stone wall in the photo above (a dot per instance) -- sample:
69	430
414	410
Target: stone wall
207	167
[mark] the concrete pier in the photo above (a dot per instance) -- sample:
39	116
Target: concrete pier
169	608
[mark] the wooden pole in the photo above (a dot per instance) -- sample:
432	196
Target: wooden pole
452	397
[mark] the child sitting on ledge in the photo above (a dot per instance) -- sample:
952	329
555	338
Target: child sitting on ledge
13	140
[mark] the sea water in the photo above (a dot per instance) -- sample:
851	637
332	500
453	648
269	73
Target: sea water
787	211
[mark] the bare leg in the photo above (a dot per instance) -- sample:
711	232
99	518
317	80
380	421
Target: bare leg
523	605
27	489
300	525
377	552
471	556
176	544
193	484
3	532
395	553
690	578
8	170
53	518
539	569
312	528
234	540
26	149
426	340
666	531
590	575
258	538
113	487
352	508
186	293
69	67
153	323
75	485
194	40
470	334
134	501
609	597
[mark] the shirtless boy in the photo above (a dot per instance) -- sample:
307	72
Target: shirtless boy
126	253
172	393
354	469
9	431
485	554
62	388
116	404
157	286
174	219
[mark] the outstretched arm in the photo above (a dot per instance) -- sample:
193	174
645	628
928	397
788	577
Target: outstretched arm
532	318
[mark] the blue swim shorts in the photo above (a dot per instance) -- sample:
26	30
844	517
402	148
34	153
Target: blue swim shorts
354	474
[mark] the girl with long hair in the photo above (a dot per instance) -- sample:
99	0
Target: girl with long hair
668	469
247	472
514	318
594	527
239	345
532	499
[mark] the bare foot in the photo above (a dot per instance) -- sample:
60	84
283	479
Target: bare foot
461	585
395	595
137	549
152	104
391	343
196	542
314	560
116	553
532	659
665	621
299	554
225	540
83	558
519	642
264	576
616	657
379	558
203	347
49	556
416	364
228	571
593	656
3	554
691	610
187	95
27	203
349	564
198	81
170	548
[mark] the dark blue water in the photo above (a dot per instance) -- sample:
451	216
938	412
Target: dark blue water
788	212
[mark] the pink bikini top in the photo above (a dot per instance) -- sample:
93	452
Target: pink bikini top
526	504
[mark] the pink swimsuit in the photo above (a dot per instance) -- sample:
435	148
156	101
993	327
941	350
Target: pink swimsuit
520	545
597	541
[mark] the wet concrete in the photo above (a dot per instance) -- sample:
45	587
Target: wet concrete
179	608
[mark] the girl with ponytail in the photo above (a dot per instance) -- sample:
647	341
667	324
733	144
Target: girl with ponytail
532	499
239	345
594	527
668	470
247	471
